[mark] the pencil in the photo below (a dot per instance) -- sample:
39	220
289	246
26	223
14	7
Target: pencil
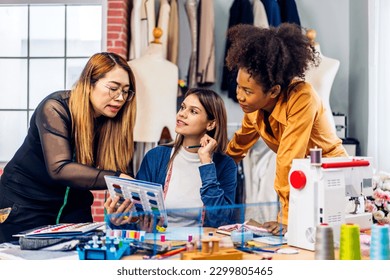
193	147
171	253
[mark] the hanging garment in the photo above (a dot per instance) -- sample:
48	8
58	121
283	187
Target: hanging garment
163	23
289	11
173	33
191	9
240	12
259	15
273	12
259	172
142	23
206	47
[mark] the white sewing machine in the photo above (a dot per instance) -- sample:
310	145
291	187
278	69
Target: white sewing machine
323	193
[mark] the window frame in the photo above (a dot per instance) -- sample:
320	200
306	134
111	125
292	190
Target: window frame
28	110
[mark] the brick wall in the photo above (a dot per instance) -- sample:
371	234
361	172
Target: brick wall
117	42
118	26
97	207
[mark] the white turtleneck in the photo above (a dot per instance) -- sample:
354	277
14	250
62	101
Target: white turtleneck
184	191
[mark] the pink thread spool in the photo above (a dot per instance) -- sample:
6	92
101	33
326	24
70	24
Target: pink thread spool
315	156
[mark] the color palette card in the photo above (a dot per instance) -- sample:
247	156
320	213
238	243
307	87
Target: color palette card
61	230
147	196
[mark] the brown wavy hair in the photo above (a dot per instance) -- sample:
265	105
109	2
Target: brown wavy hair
115	143
272	56
215	110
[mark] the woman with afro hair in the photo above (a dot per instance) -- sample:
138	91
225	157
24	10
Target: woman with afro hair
278	105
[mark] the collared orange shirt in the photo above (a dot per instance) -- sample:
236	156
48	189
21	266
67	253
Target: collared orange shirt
298	124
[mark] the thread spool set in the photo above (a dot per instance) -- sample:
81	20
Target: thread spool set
349	242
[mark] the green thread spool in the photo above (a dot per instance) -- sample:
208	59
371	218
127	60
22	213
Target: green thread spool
350	242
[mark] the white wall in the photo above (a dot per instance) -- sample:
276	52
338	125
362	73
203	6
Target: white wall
330	19
342	31
358	74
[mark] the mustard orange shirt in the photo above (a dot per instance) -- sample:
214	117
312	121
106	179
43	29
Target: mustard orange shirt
298	123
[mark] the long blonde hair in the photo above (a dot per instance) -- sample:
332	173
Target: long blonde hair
115	143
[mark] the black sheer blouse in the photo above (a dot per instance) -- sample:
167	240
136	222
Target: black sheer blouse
43	167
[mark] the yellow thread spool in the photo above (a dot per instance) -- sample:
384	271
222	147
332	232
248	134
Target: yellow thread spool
350	242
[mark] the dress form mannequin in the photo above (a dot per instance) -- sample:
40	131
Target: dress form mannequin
156	93
322	77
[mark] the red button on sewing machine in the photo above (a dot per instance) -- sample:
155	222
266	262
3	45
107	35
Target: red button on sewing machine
298	179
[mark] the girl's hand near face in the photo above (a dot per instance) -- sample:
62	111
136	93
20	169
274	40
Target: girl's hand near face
205	152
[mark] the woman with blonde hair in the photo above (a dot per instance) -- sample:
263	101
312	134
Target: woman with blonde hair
76	137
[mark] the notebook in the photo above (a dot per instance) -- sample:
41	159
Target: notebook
147	196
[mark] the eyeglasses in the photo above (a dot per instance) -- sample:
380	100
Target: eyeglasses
115	92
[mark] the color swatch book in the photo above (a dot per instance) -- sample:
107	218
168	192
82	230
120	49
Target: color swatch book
147	196
61	230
